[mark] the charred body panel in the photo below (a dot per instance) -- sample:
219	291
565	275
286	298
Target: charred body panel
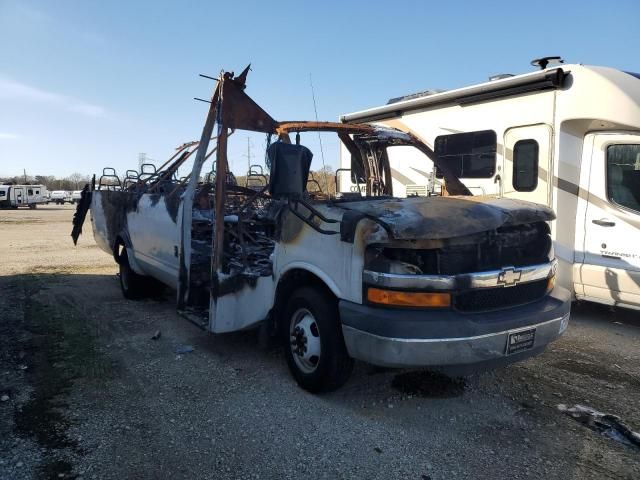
431	217
518	246
144	224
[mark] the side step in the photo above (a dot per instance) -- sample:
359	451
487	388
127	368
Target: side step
199	317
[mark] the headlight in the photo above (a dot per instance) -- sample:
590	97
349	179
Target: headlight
408	299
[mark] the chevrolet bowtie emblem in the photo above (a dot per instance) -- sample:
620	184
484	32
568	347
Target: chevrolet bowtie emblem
509	277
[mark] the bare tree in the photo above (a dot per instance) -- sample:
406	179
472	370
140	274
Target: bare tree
326	179
76	179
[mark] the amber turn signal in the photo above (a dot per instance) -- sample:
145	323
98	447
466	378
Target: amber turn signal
551	283
408	299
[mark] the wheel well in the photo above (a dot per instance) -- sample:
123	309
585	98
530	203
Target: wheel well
290	281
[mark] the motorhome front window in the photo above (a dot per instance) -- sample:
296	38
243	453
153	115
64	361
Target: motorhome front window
470	155
525	165
623	175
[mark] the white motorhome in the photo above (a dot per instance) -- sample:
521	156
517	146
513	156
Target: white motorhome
14	196
566	136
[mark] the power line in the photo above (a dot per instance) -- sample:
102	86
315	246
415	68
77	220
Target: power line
315	109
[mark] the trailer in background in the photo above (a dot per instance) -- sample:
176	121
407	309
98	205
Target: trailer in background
14	196
60	197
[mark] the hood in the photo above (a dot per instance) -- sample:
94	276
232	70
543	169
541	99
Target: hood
437	218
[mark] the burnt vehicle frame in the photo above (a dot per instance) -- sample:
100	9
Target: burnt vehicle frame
355	271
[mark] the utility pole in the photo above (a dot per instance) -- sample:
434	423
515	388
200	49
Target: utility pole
24	170
248	155
142	159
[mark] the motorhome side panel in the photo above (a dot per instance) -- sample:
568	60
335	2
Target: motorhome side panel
572	152
434	125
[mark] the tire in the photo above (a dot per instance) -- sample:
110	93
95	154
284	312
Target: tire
313	341
134	286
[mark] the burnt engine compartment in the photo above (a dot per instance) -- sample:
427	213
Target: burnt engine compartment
508	246
518	245
250	228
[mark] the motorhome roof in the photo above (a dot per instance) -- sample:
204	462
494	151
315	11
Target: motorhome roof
550	78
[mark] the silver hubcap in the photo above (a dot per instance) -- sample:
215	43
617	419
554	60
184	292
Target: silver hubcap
304	336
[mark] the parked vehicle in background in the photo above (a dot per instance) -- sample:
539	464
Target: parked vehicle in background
451	283
76	195
566	136
14	196
60	197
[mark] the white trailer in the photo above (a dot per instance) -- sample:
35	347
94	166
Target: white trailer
60	197
567	136
14	196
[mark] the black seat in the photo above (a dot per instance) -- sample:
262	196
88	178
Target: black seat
290	166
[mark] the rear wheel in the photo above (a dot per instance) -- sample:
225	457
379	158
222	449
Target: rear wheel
314	346
134	286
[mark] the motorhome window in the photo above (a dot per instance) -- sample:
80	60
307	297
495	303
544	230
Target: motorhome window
525	165
469	155
30	192
2	193
623	175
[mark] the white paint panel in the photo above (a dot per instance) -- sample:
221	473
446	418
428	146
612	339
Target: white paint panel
243	308
155	238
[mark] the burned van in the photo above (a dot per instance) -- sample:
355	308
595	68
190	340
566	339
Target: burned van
452	283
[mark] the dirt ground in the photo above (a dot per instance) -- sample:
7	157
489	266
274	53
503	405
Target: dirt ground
86	392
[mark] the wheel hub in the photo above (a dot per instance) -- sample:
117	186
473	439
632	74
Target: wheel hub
305	340
299	341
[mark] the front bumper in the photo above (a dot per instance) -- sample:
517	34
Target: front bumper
449	340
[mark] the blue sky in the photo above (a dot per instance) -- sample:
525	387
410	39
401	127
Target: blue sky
87	84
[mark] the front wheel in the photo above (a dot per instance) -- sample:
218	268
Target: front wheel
314	345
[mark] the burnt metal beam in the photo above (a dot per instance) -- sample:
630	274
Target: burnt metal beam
203	145
283	128
221	180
